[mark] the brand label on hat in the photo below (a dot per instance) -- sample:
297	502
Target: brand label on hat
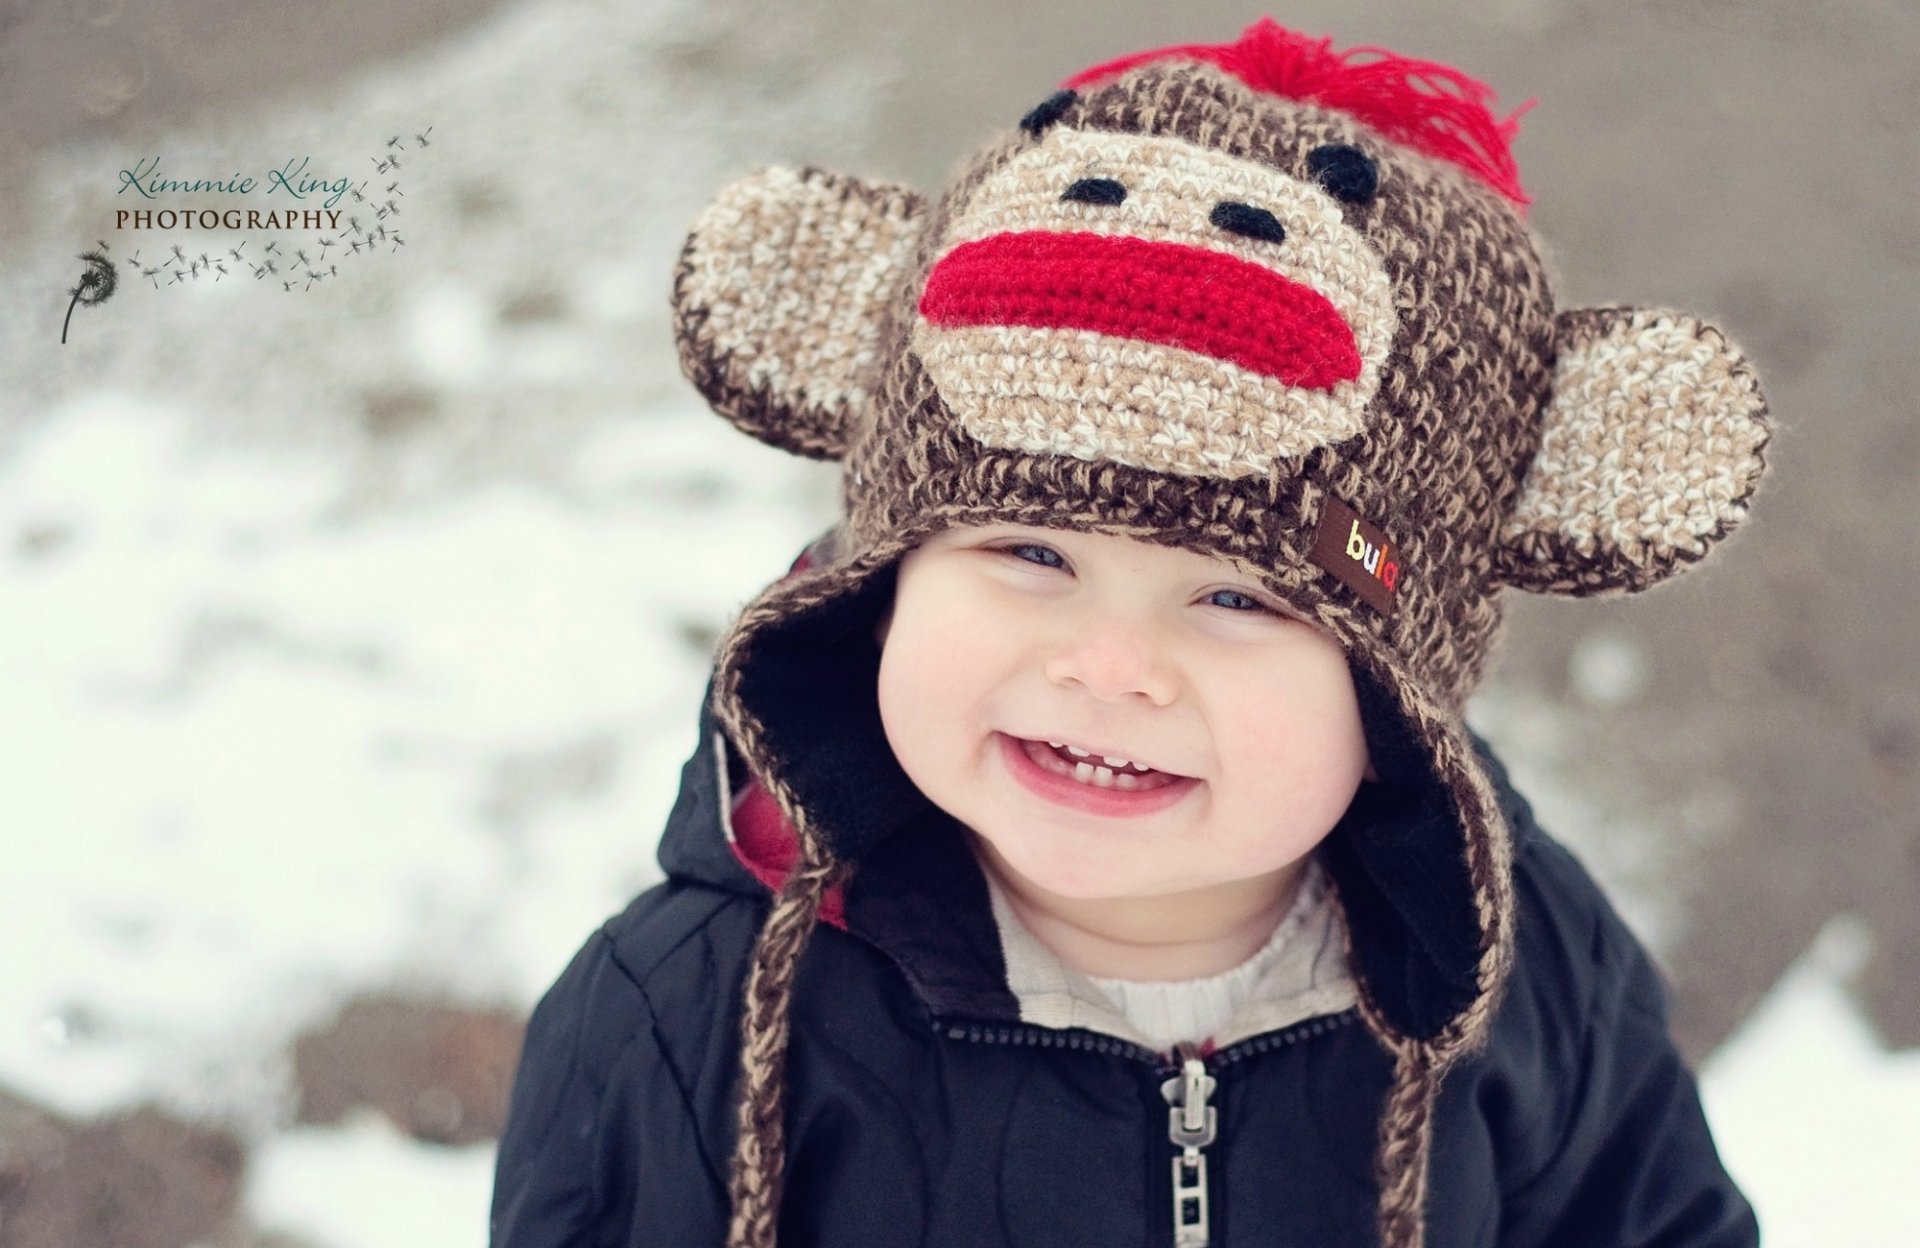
1358	553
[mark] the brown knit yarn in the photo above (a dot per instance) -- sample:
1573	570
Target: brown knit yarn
1406	1133
759	1164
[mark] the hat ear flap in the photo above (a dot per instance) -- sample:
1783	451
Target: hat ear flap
1651	446
780	297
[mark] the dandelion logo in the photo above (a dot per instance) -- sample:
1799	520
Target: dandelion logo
96	286
372	223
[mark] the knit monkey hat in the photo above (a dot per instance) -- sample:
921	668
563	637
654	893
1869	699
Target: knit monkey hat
1265	301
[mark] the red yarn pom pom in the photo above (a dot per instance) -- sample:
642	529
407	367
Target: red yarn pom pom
1428	106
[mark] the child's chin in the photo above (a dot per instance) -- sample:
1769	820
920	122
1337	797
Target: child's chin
1072	874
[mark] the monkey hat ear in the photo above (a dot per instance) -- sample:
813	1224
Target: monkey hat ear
779	300
1650	448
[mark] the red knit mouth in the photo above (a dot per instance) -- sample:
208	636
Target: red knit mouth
1170	293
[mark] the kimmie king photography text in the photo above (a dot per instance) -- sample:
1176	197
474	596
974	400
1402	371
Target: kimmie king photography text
145	180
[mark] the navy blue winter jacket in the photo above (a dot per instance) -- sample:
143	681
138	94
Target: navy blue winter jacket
920	1115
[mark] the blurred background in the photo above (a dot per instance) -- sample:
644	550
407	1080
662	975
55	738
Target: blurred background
355	607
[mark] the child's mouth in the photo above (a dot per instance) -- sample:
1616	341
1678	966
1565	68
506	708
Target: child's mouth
1089	771
1083	785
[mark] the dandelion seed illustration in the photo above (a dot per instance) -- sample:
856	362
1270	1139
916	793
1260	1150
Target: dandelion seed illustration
422	138
151	273
394	188
270	247
96	286
177	253
394	142
286	285
393	162
235	252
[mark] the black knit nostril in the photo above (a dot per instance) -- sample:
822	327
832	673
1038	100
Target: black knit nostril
1096	191
1248	220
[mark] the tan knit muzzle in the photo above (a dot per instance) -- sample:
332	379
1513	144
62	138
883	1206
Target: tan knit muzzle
1091	302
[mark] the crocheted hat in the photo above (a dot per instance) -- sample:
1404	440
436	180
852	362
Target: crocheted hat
1265	301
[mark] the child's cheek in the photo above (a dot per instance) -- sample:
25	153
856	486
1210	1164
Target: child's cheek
963	627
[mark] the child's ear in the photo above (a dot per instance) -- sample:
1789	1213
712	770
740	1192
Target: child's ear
1651	447
781	295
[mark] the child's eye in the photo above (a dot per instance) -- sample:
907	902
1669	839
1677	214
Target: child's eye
1019	546
1255	603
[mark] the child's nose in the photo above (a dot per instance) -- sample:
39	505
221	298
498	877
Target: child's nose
1112	662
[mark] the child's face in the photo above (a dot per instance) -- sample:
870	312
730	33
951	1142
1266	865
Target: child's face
1157	654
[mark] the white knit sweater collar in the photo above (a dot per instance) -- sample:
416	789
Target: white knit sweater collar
1301	972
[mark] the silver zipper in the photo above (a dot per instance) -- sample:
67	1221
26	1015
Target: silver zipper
1190	1124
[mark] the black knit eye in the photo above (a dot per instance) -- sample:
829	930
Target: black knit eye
1096	191
1248	220
1048	111
1347	173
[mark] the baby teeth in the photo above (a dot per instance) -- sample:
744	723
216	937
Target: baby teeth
1112	762
1102	778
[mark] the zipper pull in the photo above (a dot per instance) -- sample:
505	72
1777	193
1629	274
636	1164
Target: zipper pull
1191	1123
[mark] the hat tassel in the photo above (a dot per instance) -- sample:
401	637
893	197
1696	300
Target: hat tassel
1406	1139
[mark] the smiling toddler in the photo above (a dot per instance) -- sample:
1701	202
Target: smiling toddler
1084	843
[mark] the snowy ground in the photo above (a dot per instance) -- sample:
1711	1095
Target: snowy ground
290	719
261	757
